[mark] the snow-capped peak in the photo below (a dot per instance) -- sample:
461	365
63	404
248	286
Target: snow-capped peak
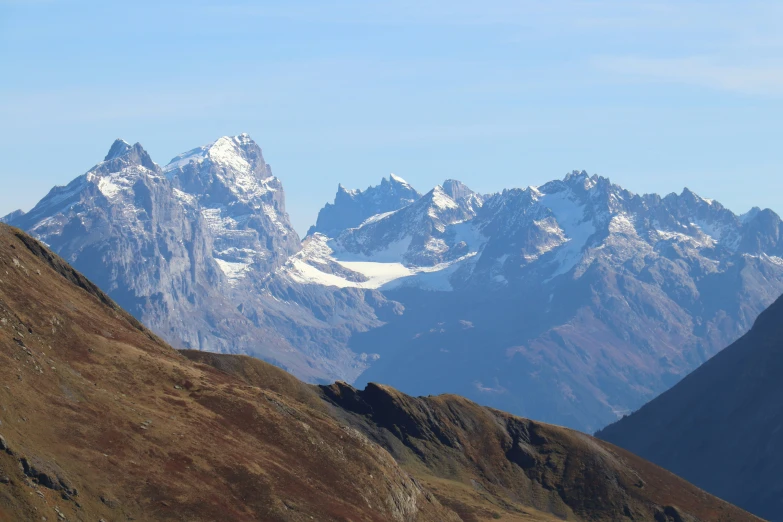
692	196
122	156
239	153
343	190
119	148
396	178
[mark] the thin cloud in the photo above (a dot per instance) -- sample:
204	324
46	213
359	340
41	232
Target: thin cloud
758	79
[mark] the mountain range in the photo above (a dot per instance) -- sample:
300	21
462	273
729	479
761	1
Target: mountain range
574	302
101	420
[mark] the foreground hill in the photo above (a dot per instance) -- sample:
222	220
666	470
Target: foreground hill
720	427
101	419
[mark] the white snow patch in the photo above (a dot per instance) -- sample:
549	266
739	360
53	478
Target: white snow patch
270	211
703	242
108	188
395	177
469	233
185	197
621	224
234	271
774	259
570	216
442	200
376	218
382	269
436	245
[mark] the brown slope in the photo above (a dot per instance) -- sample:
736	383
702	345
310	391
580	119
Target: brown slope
488	465
100	419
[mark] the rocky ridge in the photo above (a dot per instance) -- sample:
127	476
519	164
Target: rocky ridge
587	300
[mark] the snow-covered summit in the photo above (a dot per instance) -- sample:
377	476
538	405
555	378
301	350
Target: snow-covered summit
119	148
231	164
122	155
394	178
239	153
241	201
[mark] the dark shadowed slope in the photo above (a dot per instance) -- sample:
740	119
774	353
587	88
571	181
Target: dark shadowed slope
722	426
100	419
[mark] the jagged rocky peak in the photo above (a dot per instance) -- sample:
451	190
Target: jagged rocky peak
750	214
439	198
456	189
119	148
415	235
352	207
122	155
463	195
397	181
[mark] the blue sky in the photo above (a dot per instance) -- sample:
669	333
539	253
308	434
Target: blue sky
654	95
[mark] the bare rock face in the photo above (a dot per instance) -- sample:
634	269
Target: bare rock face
241	201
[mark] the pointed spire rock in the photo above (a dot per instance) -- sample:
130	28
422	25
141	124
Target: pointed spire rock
122	154
119	148
456	189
